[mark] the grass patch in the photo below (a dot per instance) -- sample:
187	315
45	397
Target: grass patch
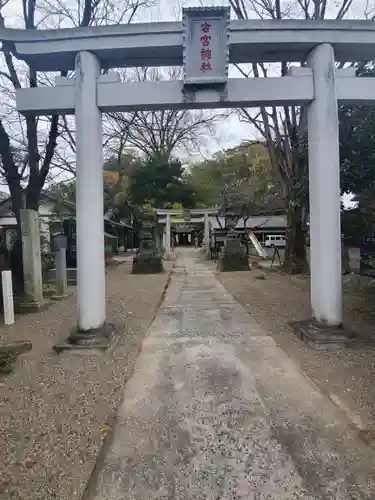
49	289
9	353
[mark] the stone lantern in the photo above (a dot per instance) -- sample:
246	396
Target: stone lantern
148	259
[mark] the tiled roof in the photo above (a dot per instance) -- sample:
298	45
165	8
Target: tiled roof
256	222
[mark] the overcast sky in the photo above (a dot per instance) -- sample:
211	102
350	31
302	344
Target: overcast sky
231	131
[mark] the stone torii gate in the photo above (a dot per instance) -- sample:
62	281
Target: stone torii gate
195	215
205	43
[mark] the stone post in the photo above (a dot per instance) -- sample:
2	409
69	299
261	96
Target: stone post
61	275
164	238
7	288
168	234
31	259
59	244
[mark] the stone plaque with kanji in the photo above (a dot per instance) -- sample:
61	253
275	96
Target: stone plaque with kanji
206	32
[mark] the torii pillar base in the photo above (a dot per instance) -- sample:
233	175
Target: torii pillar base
99	340
323	337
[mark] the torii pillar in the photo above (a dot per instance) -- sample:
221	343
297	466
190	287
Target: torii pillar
325	330
206	233
92	329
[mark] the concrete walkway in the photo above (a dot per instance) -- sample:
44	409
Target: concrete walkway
215	410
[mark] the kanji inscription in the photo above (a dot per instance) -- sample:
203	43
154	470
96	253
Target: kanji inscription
206	45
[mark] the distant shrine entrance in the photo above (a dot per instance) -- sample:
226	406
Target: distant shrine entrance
186	235
205	43
185	227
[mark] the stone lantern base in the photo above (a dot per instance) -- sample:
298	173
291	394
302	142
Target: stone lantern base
144	263
233	256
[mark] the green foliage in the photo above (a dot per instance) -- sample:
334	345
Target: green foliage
132	186
63	193
47	257
124	164
353	226
245	174
357	143
117	178
160	183
357	155
9	353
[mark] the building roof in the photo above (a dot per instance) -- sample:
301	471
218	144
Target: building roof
262	222
5	202
109	216
193	211
117	224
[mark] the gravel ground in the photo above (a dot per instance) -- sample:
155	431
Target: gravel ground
346	376
55	411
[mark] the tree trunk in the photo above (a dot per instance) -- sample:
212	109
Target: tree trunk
295	261
16	262
33	197
16	196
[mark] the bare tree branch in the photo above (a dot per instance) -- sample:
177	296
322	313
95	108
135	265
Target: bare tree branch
28	146
284	130
165	130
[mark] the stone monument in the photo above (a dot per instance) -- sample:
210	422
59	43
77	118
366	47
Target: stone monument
31	257
233	255
148	259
